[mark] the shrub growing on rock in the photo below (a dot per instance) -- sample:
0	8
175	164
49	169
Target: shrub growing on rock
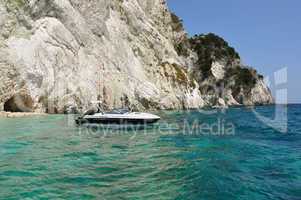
209	48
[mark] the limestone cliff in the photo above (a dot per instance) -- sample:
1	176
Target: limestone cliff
58	54
222	77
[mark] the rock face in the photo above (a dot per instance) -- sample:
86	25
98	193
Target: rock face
59	54
222	77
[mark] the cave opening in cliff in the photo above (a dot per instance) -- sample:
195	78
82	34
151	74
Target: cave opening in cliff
19	103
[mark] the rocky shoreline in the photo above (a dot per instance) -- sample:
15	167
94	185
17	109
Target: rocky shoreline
19	114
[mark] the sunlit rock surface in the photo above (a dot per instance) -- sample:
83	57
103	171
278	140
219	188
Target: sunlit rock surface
64	54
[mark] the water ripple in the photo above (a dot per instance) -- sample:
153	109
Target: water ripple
44	158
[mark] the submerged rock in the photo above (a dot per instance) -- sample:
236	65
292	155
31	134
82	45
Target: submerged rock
68	53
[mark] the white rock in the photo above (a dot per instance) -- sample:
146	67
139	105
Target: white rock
218	70
64	53
78	51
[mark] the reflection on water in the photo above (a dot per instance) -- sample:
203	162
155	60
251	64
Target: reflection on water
44	157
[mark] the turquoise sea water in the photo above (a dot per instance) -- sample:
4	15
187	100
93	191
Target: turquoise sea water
50	158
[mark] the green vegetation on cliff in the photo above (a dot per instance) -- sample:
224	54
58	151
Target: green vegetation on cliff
210	48
182	44
245	78
177	23
16	4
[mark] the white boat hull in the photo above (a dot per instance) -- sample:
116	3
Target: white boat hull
128	118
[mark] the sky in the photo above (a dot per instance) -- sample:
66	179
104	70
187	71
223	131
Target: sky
266	33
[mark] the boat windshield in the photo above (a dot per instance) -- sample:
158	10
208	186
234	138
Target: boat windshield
118	111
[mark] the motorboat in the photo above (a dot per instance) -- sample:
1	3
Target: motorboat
117	116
